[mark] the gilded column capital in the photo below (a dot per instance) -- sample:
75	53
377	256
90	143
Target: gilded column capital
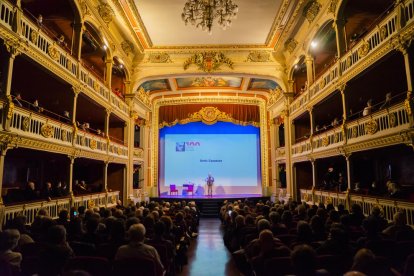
401	43
108	111
14	47
77	90
341	87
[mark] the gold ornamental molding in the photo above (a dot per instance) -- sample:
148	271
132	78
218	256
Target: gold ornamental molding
106	13
261	103
159	57
274	95
93	144
127	46
371	127
290	45
364	49
208	61
144	96
332	6
53	52
208	115
258	56
311	10
46	130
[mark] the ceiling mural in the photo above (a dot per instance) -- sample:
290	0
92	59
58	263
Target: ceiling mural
262	84
156	85
209	82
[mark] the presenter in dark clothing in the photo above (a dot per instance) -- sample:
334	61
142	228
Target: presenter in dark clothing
210	182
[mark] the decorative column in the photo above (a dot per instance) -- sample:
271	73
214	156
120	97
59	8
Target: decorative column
72	162
108	73
76	92
17	17
13	48
341	45
341	89
313	162
273	146
3	151
289	136
108	114
76	48
105	176
309	70
348	169
312	121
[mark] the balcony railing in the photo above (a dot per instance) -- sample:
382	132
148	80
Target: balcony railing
6	14
372	41
37	37
90	141
117	149
389	206
54	206
384	122
35	125
380	123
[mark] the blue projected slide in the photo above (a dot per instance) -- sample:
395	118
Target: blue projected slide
229	152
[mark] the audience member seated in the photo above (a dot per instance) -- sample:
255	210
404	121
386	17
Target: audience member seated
137	249
8	242
304	261
399	225
30	192
368	109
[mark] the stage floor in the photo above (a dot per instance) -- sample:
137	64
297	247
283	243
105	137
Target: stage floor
208	197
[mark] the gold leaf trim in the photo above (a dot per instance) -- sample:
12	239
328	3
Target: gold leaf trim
208	61
46	130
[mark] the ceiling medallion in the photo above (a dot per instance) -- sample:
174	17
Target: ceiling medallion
201	13
208	61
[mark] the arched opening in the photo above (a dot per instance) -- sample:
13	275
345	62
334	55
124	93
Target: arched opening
118	78
362	16
94	51
299	76
323	48
55	18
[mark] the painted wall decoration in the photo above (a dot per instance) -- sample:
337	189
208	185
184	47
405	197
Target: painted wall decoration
262	84
209	82
156	85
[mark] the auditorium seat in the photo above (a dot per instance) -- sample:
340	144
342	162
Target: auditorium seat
83	248
334	264
278	266
287	239
135	267
95	266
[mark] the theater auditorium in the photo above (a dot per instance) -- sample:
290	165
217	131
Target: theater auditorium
206	137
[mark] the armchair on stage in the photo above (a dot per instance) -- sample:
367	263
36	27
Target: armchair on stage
190	189
173	189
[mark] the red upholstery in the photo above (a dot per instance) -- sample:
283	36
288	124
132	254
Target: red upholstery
173	189
190	189
135	267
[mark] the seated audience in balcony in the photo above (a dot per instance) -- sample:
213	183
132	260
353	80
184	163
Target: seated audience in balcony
330	179
394	190
30	192
8	242
47	192
387	102
40	20
17	100
368	109
60	190
79	187
335	122
66	116
36	106
137	249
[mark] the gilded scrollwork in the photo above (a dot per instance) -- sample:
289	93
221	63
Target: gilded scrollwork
392	119
354	132
53	52
106	12
34	35
9	110
127	47
258	56
144	96
64	135
311	10
383	32
325	141
46	130
26	123
93	144
159	57
332	6
290	45
208	61
364	49
371	126
274	95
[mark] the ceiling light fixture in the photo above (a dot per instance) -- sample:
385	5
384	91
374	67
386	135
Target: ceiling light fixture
201	13
314	44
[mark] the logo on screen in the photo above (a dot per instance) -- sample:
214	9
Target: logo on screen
180	146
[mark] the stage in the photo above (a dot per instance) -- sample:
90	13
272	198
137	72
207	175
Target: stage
210	206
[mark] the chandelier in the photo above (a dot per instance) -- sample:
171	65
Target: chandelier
201	13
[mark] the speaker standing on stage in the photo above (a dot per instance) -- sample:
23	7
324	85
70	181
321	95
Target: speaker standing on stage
210	181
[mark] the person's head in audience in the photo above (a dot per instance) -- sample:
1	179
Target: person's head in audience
364	261
31	185
56	235
19	223
249	220
239	221
155	215
43	212
304	232
92	225
399	219
159	229
81	210
303	259
131	221
9	239
136	233
287	217
167	222
356	209
274	218
266	240
117	230
63	215
262	225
